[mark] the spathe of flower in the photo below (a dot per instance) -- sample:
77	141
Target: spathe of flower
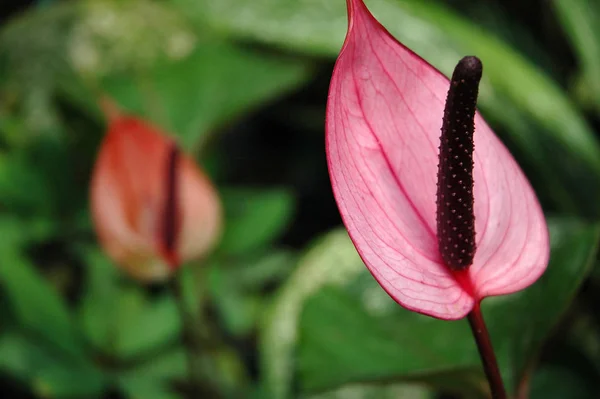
384	116
151	205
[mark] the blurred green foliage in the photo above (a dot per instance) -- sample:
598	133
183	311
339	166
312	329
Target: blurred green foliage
243	85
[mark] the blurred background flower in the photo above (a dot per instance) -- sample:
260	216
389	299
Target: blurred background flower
153	208
288	307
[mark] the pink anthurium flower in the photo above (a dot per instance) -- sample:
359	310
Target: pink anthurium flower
152	207
384	116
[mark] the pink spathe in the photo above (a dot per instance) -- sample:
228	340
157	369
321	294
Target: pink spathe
128	194
384	115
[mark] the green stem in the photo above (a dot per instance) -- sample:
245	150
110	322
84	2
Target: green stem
486	352
193	338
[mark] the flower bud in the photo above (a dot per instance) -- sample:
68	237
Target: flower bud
152	207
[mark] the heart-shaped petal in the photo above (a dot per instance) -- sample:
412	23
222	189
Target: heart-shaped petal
384	115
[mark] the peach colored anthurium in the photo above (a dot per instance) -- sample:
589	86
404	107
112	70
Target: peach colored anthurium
152	207
384	115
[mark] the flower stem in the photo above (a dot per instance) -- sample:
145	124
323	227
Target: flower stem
193	339
486	352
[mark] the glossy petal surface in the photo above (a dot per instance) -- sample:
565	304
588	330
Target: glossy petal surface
128	194
384	116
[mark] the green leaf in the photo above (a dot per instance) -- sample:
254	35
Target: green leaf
145	324
99	304
36	179
254	273
36	304
47	372
579	19
143	53
22	186
237	287
153	379
119	317
254	218
365	391
344	329
214	84
332	259
219	366
238	309
437	34
147	388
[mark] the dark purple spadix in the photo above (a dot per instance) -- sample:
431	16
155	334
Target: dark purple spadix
455	215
